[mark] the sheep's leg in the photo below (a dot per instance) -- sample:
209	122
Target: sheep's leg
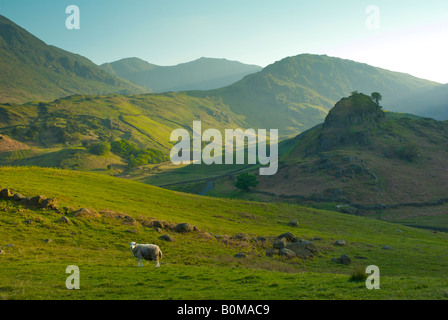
157	264
138	262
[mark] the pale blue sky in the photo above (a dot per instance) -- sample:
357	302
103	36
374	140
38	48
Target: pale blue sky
412	35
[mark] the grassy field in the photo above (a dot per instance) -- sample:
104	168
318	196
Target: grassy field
197	265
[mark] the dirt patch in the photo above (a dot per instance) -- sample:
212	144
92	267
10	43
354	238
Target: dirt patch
7	144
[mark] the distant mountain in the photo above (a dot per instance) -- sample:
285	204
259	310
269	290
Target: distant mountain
126	68
296	93
432	103
200	74
33	70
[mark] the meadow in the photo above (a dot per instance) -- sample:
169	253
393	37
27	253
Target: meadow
201	264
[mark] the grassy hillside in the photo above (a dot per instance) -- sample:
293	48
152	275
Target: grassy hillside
197	265
56	130
33	70
200	74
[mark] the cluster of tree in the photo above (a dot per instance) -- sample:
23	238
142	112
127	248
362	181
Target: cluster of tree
136	156
246	181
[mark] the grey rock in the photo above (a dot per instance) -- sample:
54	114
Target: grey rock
288	236
64	219
340	243
280	244
5	193
345	260
387	248
49	203
36	201
18	197
240	236
167	237
184	227
293	223
300	249
240	255
286	253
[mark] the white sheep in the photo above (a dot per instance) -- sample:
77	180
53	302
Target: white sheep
147	252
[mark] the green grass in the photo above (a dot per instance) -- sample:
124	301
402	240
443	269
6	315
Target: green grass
198	266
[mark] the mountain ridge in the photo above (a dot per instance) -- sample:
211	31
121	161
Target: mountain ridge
33	70
200	74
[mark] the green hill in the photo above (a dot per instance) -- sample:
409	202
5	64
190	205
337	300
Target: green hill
59	131
33	70
296	93
37	247
200	74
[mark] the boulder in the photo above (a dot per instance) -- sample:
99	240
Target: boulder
86	213
167	237
288	236
339	243
25	201
128	220
300	249
240	255
345	260
184	227
280	244
36	201
18	197
240	236
49	203
158	224
293	223
387	248
64	219
48	241
286	253
5	193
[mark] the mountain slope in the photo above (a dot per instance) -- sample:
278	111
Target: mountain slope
379	161
296	93
33	70
200	74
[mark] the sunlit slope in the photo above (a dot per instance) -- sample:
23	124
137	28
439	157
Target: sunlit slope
197	266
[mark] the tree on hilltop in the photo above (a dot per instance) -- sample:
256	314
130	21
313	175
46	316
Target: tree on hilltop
376	97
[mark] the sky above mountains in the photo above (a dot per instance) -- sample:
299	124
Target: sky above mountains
409	36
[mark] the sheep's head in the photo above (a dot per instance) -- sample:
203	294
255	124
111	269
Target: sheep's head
133	244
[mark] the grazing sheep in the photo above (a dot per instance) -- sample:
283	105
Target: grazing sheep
147	252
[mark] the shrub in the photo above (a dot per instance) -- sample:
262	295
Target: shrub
409	152
358	273
246	181
100	148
